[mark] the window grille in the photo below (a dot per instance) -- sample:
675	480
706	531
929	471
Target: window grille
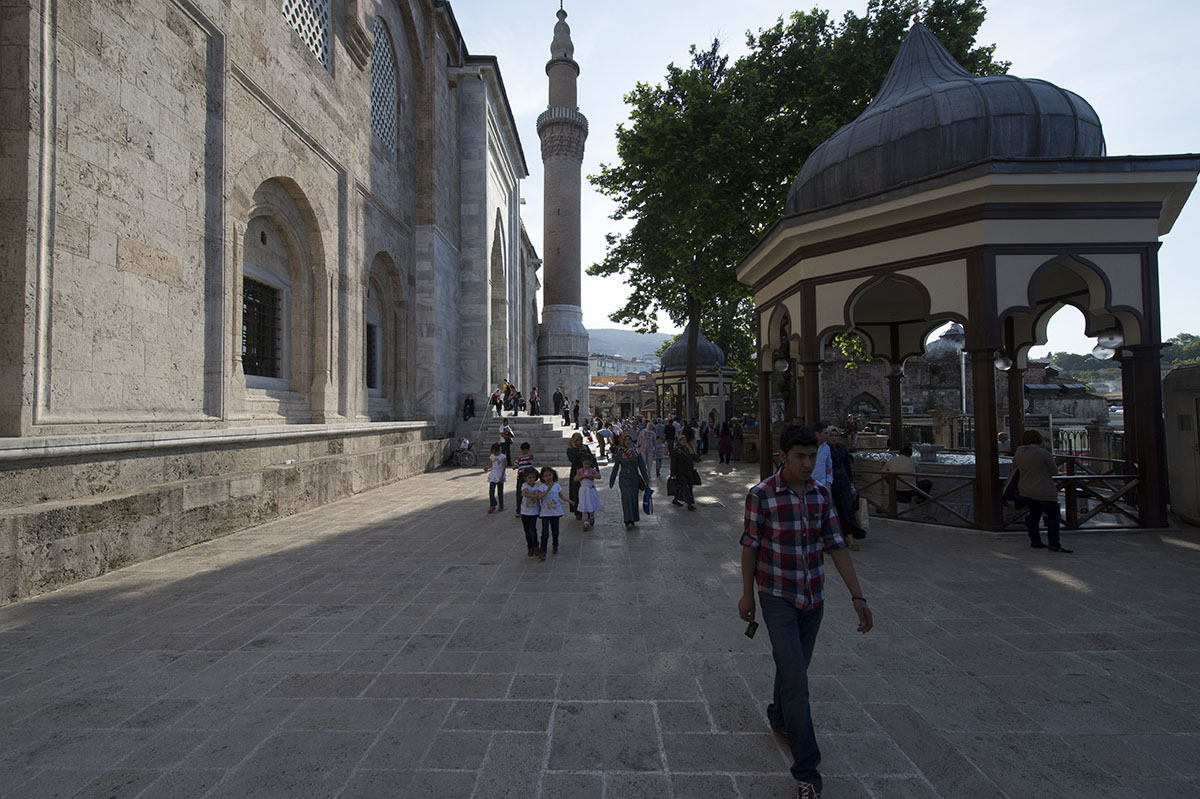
310	18
261	334
383	87
372	356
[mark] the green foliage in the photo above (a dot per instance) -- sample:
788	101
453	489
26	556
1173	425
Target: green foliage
710	152
1182	350
854	348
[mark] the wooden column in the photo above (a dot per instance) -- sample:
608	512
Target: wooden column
1016	407
988	511
895	397
1147	446
811	408
764	425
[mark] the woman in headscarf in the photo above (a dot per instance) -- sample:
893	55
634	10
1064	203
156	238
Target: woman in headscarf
631	470
843	487
683	466
575	452
645	444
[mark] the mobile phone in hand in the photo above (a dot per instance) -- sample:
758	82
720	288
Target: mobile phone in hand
751	629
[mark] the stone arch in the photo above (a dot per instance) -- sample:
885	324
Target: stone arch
282	250
414	152
498	304
385	87
385	308
866	403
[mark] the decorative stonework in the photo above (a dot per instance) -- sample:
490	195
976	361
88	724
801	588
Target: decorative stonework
563	132
383	87
310	19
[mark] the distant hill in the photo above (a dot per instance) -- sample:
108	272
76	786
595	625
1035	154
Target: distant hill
626	343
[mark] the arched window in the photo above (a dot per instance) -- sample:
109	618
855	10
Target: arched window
310	18
383	87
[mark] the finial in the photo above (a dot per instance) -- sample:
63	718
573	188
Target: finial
916	11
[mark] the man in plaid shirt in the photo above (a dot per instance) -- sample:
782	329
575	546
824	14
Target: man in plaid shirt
791	522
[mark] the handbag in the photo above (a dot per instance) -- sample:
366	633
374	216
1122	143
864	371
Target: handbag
695	478
1010	486
648	501
672	486
863	517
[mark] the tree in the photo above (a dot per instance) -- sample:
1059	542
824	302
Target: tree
678	254
1182	349
709	154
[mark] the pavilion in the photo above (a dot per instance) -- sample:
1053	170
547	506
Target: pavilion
988	201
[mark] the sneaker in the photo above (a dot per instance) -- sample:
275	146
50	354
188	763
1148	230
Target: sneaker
555	550
531	551
806	790
541	554
1061	549
492	509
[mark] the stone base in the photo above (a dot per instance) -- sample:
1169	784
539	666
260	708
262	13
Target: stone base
95	505
563	355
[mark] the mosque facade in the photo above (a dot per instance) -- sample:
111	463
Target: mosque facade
275	241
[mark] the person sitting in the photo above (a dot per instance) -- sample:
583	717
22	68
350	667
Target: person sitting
905	467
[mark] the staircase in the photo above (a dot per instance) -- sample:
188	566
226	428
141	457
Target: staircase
547	437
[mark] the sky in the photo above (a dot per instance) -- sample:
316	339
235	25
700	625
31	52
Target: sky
1134	62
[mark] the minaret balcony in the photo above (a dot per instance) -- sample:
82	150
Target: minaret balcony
555	115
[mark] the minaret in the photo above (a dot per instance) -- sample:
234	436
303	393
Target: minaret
562	340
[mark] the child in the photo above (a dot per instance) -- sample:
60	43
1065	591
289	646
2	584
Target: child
523	462
550	496
589	497
496	479
530	508
506	437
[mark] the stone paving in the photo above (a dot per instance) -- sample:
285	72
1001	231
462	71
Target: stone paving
401	644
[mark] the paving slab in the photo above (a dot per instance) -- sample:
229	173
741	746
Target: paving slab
401	644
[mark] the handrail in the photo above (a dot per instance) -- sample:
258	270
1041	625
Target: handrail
934	499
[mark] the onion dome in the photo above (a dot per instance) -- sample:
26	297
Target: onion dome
932	116
708	355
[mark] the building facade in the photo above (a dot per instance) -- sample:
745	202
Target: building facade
266	246
243	213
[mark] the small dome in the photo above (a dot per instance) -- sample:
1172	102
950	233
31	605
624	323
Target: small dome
947	345
562	46
708	355
933	116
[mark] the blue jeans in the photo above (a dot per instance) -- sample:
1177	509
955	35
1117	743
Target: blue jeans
793	634
496	493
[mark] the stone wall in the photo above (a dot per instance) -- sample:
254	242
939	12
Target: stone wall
157	151
72	509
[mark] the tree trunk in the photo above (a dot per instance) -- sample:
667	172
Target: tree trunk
693	331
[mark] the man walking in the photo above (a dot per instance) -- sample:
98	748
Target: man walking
790	523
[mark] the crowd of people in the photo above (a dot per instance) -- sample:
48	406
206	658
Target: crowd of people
807	509
628	447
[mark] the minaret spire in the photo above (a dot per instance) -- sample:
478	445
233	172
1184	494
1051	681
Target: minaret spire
563	340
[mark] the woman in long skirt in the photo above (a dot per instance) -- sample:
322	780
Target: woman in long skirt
631	470
683	467
575	452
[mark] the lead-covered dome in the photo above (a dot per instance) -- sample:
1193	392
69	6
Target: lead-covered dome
932	116
708	355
